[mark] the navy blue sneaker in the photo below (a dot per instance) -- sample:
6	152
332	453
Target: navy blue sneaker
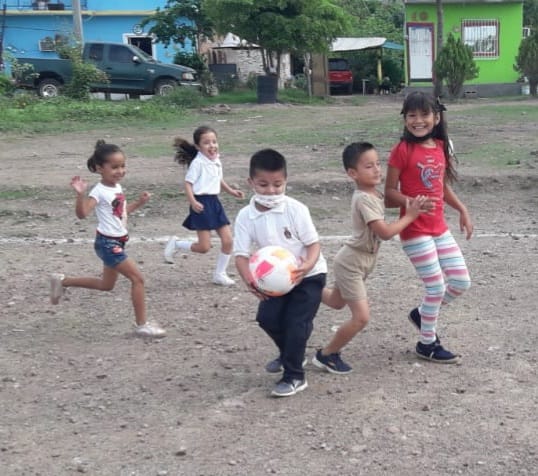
435	353
332	363
414	318
287	389
275	366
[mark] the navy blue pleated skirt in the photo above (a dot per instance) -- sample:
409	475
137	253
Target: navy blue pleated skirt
211	218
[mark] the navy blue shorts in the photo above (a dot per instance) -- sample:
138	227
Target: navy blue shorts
110	250
211	218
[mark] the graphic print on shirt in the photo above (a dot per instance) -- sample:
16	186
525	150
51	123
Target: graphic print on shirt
118	206
429	172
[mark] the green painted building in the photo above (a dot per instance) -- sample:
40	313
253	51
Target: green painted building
492	28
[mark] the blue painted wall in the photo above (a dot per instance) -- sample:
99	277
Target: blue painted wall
102	20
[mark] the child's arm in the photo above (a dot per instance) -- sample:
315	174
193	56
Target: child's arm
386	231
241	263
142	199
312	255
232	191
394	198
195	204
452	199
83	205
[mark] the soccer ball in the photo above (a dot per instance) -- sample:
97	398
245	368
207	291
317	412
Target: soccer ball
272	267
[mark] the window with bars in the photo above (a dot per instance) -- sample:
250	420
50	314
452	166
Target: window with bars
482	36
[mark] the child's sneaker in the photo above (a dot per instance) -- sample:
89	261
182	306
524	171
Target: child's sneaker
150	329
287	389
415	319
275	366
333	363
170	250
56	288
436	353
223	280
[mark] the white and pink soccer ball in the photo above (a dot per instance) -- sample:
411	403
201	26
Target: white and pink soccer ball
272	269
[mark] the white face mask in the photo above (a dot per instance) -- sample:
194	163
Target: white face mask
269	201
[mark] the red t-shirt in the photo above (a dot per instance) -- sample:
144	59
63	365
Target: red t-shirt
422	171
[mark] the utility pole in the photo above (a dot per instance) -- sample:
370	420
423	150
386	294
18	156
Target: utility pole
77	21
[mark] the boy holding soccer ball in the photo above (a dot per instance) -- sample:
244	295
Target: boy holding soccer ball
272	218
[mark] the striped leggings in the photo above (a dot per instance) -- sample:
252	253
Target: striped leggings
436	258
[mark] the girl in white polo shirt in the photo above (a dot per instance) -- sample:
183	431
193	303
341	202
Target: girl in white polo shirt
203	183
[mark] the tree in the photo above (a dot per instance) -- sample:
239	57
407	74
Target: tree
178	21
438	81
278	26
527	60
455	65
530	13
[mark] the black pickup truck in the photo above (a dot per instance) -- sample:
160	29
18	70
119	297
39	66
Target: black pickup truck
129	69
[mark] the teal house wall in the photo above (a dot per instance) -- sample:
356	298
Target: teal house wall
29	25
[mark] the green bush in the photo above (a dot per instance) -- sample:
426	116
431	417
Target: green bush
455	65
7	88
192	60
527	61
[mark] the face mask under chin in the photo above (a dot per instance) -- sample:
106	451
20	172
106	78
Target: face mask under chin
269	201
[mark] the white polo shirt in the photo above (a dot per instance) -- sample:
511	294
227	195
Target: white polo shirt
289	225
205	175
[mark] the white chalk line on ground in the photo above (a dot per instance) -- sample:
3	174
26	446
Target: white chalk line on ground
164	239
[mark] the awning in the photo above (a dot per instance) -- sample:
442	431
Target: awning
353	44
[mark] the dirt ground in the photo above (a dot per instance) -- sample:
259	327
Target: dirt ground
80	394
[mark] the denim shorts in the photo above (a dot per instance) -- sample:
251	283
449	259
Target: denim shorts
110	250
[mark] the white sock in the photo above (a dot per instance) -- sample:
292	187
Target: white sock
222	263
183	245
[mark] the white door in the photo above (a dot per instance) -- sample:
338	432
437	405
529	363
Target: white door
420	52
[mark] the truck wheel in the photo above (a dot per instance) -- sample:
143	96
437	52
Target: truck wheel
165	87
49	88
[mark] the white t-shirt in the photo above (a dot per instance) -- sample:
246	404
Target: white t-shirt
111	210
205	175
289	225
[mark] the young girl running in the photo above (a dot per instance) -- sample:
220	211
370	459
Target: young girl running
111	209
203	182
422	164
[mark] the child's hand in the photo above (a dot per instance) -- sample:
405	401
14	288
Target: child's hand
429	204
197	207
415	206
144	197
78	184
466	224
251	286
238	193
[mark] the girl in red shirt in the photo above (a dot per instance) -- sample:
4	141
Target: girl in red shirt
422	163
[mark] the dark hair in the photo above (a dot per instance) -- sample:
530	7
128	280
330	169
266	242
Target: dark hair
185	150
352	153
101	154
420	101
269	160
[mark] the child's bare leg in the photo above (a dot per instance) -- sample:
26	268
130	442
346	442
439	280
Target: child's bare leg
360	314
226	240
331	297
105	283
129	269
203	245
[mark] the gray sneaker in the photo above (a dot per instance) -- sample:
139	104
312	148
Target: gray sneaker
275	366
150	329
56	288
287	389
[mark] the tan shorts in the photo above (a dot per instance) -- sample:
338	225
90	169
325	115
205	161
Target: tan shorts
351	268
